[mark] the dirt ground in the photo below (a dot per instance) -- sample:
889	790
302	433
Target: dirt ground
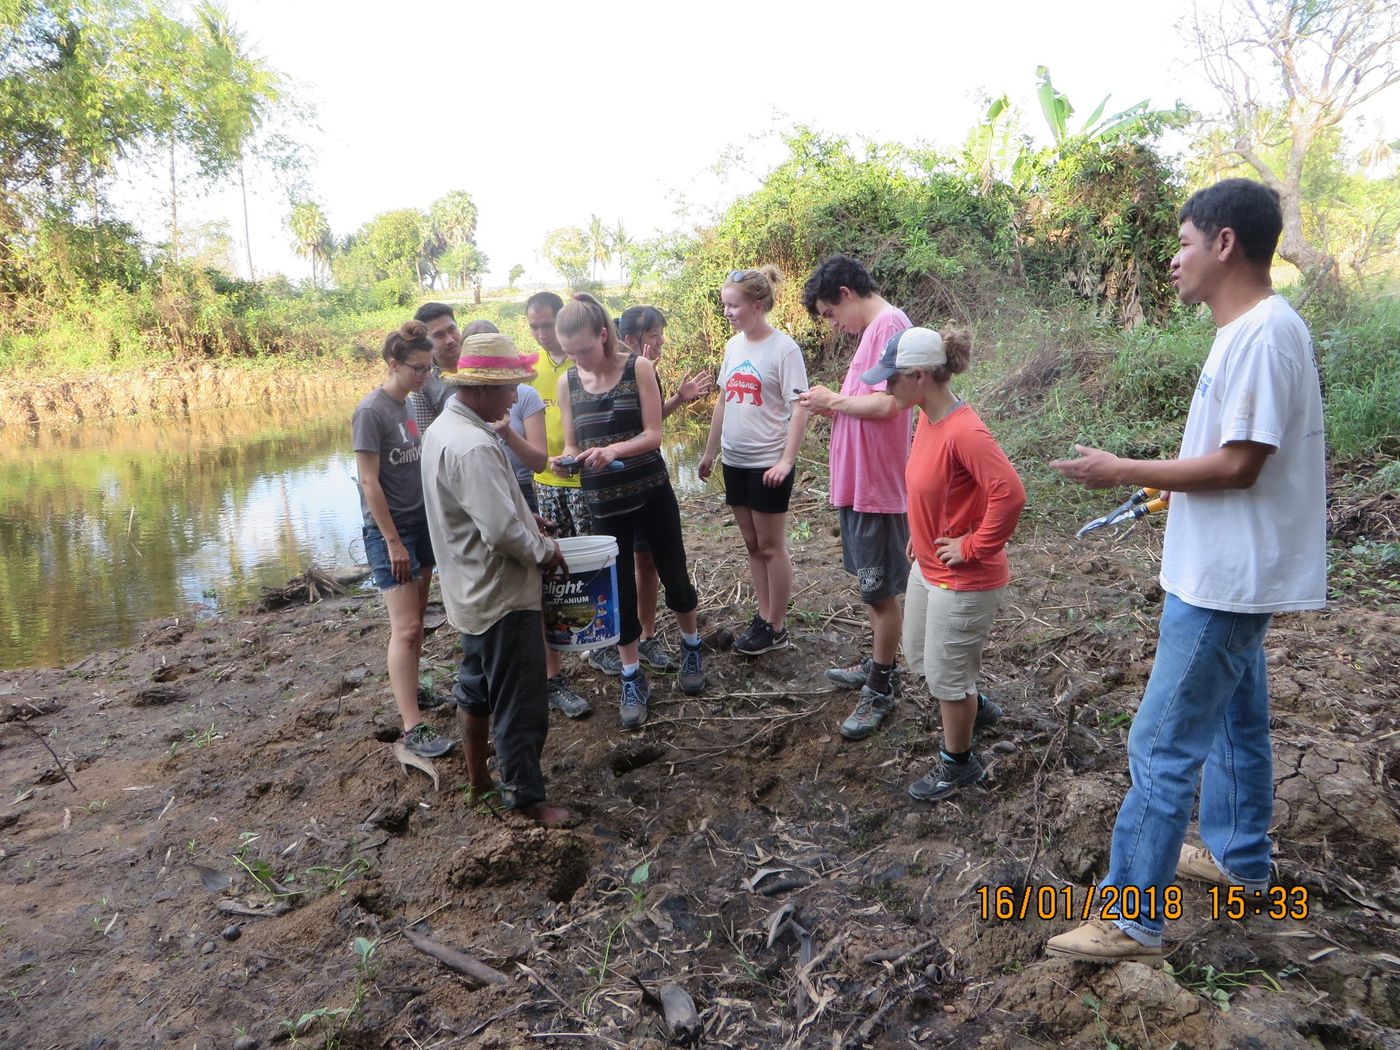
241	856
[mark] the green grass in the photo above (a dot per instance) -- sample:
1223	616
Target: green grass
1359	355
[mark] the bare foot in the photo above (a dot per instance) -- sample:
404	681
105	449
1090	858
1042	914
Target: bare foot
548	816
476	792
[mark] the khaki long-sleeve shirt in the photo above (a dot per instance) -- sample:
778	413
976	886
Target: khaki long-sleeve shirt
487	544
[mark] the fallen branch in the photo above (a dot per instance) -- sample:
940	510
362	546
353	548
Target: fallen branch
896	956
39	737
461	962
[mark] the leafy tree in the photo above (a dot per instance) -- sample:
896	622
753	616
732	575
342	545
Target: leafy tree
393	239
1324	59
568	251
81	84
513	278
599	244
311	234
465	264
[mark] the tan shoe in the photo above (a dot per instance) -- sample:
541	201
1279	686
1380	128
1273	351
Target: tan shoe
1197	863
1100	941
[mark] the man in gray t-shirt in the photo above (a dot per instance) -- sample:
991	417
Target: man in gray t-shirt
385	427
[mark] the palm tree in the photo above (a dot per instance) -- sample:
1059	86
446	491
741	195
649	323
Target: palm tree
311	234
241	90
622	245
599	244
451	227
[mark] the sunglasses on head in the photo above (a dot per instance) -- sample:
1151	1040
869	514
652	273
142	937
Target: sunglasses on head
735	276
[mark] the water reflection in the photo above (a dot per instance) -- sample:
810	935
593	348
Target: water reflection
109	525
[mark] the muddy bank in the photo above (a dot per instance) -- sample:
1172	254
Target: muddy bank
242	856
175	389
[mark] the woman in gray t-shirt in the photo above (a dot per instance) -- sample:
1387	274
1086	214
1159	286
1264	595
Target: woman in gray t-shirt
400	553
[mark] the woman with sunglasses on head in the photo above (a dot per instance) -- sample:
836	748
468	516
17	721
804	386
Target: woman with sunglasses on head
610	402
643	330
757	429
400	554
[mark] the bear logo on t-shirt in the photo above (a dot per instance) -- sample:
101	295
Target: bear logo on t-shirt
744	380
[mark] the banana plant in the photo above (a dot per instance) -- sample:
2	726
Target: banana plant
1057	108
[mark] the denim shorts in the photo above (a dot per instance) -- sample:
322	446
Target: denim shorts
416	541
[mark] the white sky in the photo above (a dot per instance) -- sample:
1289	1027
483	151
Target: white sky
547	112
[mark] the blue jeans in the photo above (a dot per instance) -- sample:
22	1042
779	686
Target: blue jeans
1206	704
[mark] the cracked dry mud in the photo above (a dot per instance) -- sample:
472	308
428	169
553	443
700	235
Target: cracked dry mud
258	748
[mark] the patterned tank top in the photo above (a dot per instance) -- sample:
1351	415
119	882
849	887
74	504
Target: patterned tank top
605	419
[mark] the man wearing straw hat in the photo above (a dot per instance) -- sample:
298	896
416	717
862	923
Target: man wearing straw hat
490	568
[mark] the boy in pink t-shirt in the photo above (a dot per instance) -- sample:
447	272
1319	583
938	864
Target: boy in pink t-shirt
870	438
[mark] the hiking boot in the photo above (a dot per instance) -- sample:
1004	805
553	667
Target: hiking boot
565	700
636	693
651	652
427	699
871	709
1197	863
988	715
692	676
948	777
858	675
1100	941
607	659
425	743
760	638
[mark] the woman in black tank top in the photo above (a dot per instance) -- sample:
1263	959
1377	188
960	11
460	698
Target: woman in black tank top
611	407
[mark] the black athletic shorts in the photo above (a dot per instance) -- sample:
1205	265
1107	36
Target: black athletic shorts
744	487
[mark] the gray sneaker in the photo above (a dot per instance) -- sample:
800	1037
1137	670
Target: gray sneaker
692	676
856	676
565	700
948	777
607	659
851	677
871	709
654	655
988	715
636	693
426	743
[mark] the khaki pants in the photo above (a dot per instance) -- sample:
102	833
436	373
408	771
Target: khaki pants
945	632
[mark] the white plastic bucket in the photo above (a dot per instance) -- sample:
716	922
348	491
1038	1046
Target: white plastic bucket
580	606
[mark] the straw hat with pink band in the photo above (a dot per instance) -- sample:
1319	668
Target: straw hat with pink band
490	359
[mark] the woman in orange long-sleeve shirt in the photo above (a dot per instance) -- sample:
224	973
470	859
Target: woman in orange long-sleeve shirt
964	501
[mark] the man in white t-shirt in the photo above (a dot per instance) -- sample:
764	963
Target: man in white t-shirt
1246	538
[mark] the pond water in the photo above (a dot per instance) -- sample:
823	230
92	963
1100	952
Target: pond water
107	526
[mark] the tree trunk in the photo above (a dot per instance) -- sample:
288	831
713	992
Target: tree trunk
174	215
247	237
1319	269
